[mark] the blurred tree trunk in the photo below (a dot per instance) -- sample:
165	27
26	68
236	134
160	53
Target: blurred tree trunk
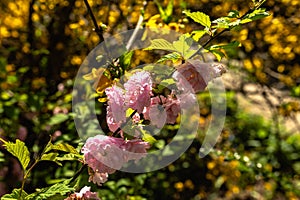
57	39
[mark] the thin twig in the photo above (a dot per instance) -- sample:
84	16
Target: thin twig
78	172
98	29
134	34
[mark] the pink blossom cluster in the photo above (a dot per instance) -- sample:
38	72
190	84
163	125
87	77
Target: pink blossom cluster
104	155
137	96
84	194
138	91
116	109
162	110
194	75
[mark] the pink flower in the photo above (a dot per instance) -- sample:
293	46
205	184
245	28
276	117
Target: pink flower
111	122
172	107
116	110
156	112
97	177
84	194
138	91
197	74
136	149
162	110
104	155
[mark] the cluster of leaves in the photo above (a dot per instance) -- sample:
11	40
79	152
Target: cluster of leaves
49	153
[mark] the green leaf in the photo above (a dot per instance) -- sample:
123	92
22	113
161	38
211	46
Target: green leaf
15	195
69	157
58	118
166	82
174	57
125	59
233	14
218	54
11	79
196	35
129	112
56	197
199	17
169	9
46	193
166	14
18	150
51	157
63	147
183	46
255	15
48	146
222	22
161	44
147	137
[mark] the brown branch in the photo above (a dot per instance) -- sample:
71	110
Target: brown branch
98	29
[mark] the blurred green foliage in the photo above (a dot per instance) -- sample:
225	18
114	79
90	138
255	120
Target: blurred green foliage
44	42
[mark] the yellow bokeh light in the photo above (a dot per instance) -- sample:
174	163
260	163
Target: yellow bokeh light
4	32
35	17
179	186
280	68
76	60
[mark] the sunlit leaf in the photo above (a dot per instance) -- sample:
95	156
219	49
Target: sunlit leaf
196	35
174	57
15	195
255	15
69	157
46	193
183	46
63	147
51	157
222	22
233	14
166	14
199	17
102	99
167	82
125	59
148	138
129	112
18	150
169	9
218	54
161	44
